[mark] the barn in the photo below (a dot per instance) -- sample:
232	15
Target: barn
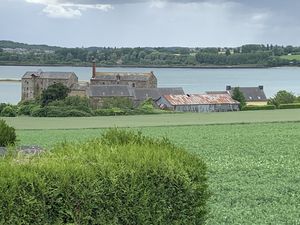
199	103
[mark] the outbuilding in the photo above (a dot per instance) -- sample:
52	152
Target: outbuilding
199	103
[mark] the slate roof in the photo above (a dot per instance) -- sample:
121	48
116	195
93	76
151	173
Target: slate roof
123	76
200	99
156	93
110	91
49	75
253	94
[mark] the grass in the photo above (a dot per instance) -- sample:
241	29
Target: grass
179	119
253	168
291	57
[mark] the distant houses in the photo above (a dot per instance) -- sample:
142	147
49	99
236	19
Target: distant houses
138	87
253	95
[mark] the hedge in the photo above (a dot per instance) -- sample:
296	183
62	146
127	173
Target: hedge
289	106
259	107
121	178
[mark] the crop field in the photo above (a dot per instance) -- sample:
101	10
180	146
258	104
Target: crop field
254	169
175	119
291	57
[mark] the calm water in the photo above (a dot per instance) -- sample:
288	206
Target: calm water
192	80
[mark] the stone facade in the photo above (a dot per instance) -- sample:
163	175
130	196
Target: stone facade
33	83
135	80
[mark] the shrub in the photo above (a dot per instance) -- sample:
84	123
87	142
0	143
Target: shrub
7	134
259	107
282	97
9	111
289	106
117	102
122	178
2	106
39	111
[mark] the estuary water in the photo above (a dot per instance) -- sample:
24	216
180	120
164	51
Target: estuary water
192	80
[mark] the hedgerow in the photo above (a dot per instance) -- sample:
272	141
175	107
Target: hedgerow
289	106
121	178
259	107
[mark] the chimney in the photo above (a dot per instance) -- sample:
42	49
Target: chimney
261	87
228	88
94	68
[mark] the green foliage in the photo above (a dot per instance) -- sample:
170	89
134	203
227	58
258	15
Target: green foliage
122	178
9	111
259	107
25	107
117	102
55	111
246	55
282	97
54	92
7	135
2	106
239	96
289	106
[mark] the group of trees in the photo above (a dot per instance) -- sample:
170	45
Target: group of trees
258	55
55	102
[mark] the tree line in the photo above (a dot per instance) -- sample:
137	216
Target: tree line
246	55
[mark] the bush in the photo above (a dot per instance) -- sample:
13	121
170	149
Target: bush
123	178
117	102
7	134
289	106
259	107
282	97
9	111
39	111
2	106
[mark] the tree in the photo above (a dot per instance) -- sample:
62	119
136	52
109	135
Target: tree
54	92
283	97
239	96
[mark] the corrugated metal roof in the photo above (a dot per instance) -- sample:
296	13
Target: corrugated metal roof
49	75
110	91
200	99
156	93
123	76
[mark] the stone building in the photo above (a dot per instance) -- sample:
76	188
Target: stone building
253	95
33	83
135	80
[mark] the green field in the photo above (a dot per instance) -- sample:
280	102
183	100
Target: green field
254	169
155	120
291	57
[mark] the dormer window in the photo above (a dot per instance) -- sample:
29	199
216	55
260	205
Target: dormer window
118	77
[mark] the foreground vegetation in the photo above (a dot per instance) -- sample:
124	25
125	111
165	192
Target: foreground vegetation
252	168
122	178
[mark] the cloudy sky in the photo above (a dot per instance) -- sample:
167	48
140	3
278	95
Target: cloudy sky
133	23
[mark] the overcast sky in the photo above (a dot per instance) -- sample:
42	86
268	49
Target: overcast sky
133	23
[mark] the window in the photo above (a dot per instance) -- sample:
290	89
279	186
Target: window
133	84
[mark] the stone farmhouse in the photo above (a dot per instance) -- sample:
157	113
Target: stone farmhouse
33	83
135	86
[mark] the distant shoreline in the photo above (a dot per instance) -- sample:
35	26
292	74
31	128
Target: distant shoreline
151	66
142	66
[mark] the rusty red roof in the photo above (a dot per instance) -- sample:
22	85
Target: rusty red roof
200	99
